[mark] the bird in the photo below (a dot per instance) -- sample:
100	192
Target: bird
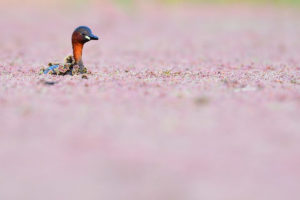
73	64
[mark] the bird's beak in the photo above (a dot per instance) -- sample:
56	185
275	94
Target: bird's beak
93	37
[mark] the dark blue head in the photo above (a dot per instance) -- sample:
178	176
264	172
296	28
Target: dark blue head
83	34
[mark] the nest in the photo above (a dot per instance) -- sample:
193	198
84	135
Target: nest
68	68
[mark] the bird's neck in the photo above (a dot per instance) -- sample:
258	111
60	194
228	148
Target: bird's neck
77	53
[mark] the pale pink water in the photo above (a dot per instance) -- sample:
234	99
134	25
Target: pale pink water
184	103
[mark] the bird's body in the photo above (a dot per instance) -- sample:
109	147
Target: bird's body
73	64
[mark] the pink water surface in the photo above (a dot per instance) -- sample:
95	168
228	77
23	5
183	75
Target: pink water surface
183	103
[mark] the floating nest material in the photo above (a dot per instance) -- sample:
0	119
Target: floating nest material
68	68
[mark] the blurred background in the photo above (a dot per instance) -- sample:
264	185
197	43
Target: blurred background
187	100
173	1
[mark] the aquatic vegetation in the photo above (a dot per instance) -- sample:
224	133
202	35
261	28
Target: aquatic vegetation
188	103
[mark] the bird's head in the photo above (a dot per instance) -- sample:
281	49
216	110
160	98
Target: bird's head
83	34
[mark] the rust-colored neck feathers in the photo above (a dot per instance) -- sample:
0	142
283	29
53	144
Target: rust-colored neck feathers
77	52
77	48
